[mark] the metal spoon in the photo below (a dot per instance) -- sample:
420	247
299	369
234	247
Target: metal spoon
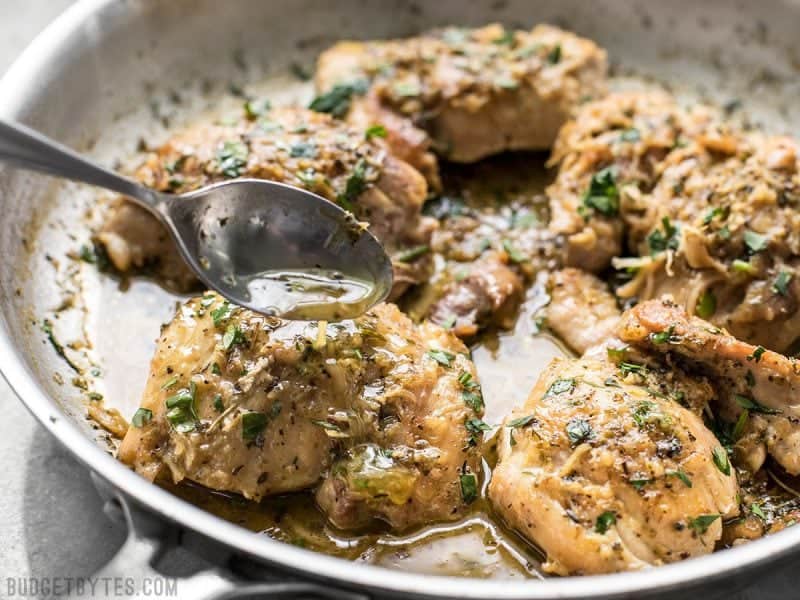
267	246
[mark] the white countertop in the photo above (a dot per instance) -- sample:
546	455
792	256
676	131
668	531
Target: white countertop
51	520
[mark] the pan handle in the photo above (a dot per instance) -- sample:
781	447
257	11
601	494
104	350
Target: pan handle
130	573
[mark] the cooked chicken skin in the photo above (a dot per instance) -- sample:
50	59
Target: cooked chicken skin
723	237
582	310
608	155
250	404
295	146
759	390
605	474
476	92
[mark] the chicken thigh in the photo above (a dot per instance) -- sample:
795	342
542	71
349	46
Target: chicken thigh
606	472
375	411
295	146
475	92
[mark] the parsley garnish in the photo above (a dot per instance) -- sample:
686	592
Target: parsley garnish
142	417
337	100
469	487
180	410
560	386
443	357
515	255
680	474
701	523
659	240
375	131
706	304
221	314
232	158
520	422
303	150
781	284
630	135
753	406
758	511
755	242
355	185
412	254
475	428
604	521
662	337
253	423
757	353
554	56
233	336
638	484
578	430
602	195
257	108
720	456
628	368
218	405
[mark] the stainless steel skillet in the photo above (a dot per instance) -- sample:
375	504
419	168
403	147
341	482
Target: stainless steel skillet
90	81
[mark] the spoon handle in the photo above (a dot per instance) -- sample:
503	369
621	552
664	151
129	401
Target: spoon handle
23	147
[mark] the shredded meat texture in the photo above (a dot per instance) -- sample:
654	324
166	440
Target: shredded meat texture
607	156
582	310
469	93
723	237
295	146
490	294
371	412
758	390
605	473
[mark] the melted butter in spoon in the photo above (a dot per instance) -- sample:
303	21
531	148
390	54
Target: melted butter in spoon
311	294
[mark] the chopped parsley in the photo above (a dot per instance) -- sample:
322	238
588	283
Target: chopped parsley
781	283
663	239
232	158
716	212
630	135
215	369
469	487
515	255
218	405
375	131
142	417
758	511
303	150
560	386
579	431
720	456
602	195
169	383
638	484
180	410
701	523
755	242
521	422
757	354
554	56
443	357
356	184
706	305
253	423
750	378
221	314
663	337
743	266
475	428
443	207
412	254
680	474
471	393
337	101
233	335
753	406
627	368
604	521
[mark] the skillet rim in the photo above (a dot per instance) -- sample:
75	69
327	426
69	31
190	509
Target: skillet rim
16	87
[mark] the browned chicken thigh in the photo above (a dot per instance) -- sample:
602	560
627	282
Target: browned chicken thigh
295	146
605	471
475	92
376	410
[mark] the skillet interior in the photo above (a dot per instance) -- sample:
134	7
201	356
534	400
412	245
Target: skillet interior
182	48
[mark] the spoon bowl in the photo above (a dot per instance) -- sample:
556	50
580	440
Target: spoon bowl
267	246
279	250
